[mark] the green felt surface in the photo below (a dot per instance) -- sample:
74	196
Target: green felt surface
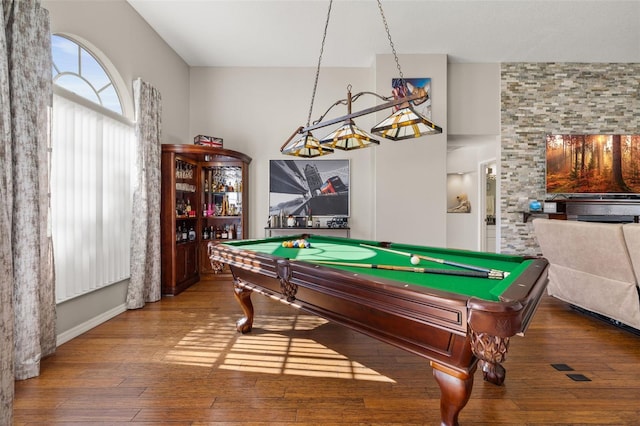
351	250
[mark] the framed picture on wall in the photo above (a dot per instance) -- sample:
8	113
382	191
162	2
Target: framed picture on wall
304	187
414	85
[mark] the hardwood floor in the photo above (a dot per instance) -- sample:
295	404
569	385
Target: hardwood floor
180	362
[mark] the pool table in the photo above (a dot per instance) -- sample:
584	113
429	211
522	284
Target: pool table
431	307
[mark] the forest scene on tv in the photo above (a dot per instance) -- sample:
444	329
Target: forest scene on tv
595	164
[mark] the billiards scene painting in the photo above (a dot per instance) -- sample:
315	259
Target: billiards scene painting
309	187
458	309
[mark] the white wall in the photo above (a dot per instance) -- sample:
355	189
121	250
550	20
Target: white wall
410	175
255	110
474	123
474	99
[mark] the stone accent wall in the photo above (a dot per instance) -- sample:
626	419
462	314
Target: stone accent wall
541	98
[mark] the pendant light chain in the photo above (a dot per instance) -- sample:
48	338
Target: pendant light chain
315	84
393	49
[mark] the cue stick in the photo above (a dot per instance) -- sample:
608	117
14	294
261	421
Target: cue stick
476	274
490	273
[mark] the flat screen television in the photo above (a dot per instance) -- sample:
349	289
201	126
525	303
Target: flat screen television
593	164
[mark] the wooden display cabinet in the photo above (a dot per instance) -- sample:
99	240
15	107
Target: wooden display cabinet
204	198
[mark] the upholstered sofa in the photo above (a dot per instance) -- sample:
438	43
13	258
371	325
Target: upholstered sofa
594	266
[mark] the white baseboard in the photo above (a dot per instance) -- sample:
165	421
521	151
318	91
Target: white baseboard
88	325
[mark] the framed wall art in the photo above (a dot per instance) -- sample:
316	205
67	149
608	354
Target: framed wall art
309	187
414	85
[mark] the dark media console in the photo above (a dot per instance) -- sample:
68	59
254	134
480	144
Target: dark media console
597	209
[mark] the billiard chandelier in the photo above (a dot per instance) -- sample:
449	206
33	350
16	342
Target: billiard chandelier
404	123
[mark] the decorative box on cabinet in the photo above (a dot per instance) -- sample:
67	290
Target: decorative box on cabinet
204	198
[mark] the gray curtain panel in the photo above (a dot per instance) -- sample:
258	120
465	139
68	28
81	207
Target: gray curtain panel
6	263
144	285
27	291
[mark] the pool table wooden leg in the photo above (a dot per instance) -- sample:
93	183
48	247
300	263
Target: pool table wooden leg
455	390
492	352
243	296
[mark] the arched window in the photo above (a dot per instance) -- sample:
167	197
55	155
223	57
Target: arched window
77	70
92	161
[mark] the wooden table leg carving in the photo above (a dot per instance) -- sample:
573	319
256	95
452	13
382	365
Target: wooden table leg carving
492	352
455	390
243	296
217	267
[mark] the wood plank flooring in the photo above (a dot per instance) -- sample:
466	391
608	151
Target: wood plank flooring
181	362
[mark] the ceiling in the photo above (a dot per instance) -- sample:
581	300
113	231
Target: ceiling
280	33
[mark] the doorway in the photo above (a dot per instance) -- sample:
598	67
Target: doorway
488	200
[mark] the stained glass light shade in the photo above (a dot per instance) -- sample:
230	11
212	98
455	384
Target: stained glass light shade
306	146
406	123
348	137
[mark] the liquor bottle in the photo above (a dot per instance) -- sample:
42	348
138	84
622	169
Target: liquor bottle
310	220
184	233
205	233
192	234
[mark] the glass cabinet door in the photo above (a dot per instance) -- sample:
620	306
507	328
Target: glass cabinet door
222	202
186	201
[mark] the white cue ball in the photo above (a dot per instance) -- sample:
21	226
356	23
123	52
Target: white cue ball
415	260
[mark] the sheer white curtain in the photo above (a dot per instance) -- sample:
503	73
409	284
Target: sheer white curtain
92	160
27	307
